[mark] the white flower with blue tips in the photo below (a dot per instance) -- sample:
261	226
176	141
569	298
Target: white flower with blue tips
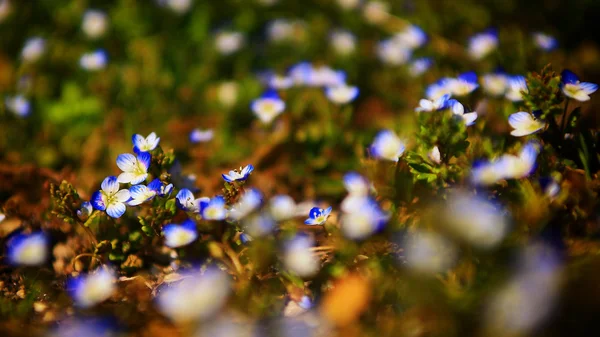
544	41
282	207
495	84
393	53
145	144
19	105
317	216
419	66
521	166
160	188
459	110
135	169
186	201
247	204
109	198
213	209
438	89
464	84
34	49
238	175
268	107
426	105
341	94
299	258
363	220
387	145
94	61
140	194
482	44
201	136
524	124
356	184
516	86
411	37
573	88
91	289
179	235
27	249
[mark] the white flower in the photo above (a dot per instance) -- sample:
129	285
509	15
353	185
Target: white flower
544	41
363	220
240	175
282	207
135	170
177	235
258	225
109	198
524	124
147	144
34	49
419	66
19	105
376	12
227	93
393	53
495	84
94	23
356	184
429	252
186	201
94	61
387	145
179	6
201	136
426	105
459	110
411	37
341	94
298	257
516	86
140	194
27	249
343	42
572	87
348	4
229	42
248	202
268	107
480	45
91	289
434	155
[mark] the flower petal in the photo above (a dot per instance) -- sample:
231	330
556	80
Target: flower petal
144	158
127	162
110	185
97	201
122	196
116	209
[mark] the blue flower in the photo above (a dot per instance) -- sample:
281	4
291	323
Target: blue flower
160	188
419	66
140	194
213	209
201	136
179	235
516	86
248	202
109	198
572	87
480	45
545	41
387	145
135	170
341	94
459	110
268	106
144	144
426	105
187	202
94	61
27	249
317	216
524	124
19	105
464	84
85	210
91	289
240	175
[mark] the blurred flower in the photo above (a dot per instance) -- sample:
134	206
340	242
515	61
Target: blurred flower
324	76
34	49
459	110
2	217
94	61
147	144
248	202
187	202
486	173
573	88
282	207
199	295
495	83
227	326
506	167
393	53
376	12
238	175
524	124
426	105
387	145
419	66
429	252
267	107
475	220
91	289
88	327
5	9
363	220
480	45
434	155
464	84
343	42
341	94
281	30
356	184
140	194
516	86
549	186
213	209
411	37
179	235
94	23
201	136
545	41
317	216
438	89
19	105
348	4
299	258
179	6
27	249
109	198
228	93
229	42
135	170
279	82
258	225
